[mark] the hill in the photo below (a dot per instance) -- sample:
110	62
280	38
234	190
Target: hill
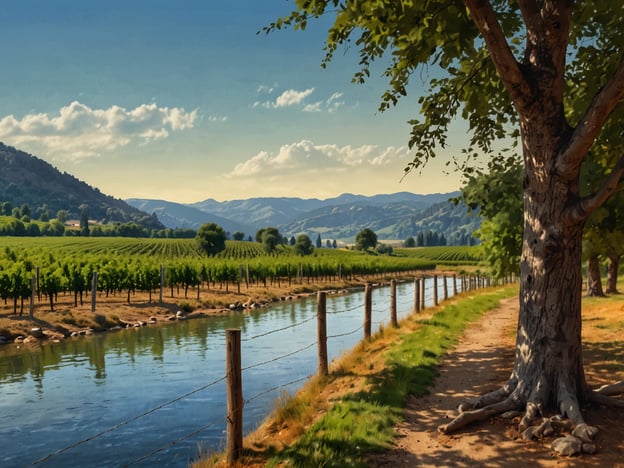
26	179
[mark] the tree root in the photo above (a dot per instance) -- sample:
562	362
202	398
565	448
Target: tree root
612	389
574	435
468	417
603	399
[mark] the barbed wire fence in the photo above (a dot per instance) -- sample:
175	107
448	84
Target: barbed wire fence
423	294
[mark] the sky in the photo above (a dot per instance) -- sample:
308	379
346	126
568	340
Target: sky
183	100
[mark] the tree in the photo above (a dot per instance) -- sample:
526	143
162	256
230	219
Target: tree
496	195
62	216
269	237
238	235
319	242
365	239
84	220
409	242
303	245
548	73
211	238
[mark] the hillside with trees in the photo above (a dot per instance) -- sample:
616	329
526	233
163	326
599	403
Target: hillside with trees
27	181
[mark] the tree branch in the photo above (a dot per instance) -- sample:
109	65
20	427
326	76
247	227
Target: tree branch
507	66
586	206
592	122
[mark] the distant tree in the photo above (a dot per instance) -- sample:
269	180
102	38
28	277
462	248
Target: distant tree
328	244
420	239
211	238
319	242
6	209
409	242
249	239
384	249
365	239
238	235
303	245
24	210
292	241
62	216
84	220
270	238
334	244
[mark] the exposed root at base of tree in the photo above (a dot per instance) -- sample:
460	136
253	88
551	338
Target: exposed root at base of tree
574	435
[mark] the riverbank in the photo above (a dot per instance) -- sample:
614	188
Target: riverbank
481	361
114	312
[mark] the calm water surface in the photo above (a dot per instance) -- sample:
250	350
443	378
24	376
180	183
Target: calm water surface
151	396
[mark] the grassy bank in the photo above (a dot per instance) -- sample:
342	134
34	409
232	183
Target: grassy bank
337	421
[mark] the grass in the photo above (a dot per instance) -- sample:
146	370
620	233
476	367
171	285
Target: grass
365	395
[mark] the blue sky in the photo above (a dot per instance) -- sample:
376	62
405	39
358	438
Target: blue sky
182	100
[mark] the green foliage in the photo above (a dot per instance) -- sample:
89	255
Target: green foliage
211	238
365	239
497	196
303	245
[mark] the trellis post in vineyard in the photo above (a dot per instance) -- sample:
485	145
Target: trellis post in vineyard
162	282
93	290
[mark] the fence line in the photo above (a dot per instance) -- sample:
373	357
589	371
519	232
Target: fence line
234	415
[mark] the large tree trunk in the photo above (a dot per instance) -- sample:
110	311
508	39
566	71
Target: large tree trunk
548	371
612	274
594	283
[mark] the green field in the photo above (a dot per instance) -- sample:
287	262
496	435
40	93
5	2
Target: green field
67	264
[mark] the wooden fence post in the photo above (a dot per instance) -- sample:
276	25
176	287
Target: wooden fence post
435	290
445	279
93	291
368	310
422	293
240	276
32	297
454	285
234	433
417	295
393	304
321	309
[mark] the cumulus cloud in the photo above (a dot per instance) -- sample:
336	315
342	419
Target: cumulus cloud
296	98
78	131
306	156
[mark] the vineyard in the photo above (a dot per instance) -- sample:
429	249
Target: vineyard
446	255
125	266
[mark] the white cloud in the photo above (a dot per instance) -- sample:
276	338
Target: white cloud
292	97
78	131
307	157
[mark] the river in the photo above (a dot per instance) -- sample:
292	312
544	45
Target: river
153	395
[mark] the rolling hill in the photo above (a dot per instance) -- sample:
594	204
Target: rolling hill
26	179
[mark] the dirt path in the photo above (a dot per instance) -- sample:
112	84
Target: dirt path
480	363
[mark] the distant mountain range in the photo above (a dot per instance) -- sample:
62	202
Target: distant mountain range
393	216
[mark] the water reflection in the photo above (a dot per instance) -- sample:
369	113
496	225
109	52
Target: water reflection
132	381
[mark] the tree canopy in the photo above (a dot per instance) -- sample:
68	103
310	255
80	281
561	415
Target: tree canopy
211	238
303	245
365	239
